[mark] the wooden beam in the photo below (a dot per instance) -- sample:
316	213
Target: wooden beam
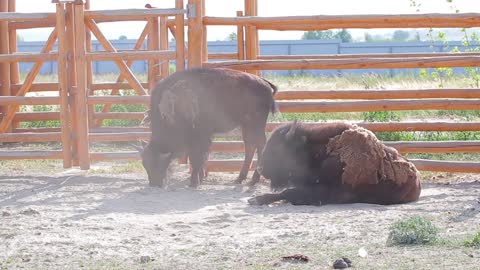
118	100
131	56
133	14
81	93
378	105
195	34
378	94
12	39
28	57
118	137
354	63
4	66
21	16
16	100
16	155
403	126
31	137
66	137
363	55
322	22
179	37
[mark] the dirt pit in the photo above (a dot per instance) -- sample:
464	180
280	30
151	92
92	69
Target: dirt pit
74	220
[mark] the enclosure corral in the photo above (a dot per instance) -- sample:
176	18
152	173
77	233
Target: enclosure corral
108	218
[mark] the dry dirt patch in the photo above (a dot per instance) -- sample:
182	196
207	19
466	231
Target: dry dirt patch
78	221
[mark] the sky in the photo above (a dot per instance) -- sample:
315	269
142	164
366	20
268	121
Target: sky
226	8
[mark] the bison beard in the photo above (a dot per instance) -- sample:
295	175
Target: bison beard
188	107
335	163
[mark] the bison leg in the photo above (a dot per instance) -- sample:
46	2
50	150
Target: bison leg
296	196
260	144
249	153
198	154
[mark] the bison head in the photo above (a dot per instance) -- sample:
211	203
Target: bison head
156	164
285	157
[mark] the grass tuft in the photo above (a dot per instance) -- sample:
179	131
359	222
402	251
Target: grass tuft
474	242
413	231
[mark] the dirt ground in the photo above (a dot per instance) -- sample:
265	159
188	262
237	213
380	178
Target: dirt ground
78	220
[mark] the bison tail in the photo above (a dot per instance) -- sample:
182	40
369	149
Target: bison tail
273	86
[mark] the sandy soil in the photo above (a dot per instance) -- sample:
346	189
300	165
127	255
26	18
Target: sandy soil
74	220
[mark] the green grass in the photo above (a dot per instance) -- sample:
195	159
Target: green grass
413	231
474	241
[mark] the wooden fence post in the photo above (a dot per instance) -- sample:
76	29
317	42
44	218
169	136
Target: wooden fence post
251	34
153	44
88	42
180	37
71	78
240	39
63	85
81	91
195	33
4	66
165	65
14	70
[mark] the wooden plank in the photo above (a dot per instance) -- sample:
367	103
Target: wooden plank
37	87
12	39
240	40
28	57
119	115
118	99
30	137
81	95
72	77
378	94
132	55
4	66
9	114
446	166
164	46
225	56
114	86
354	63
153	44
322	22
179	37
378	105
63	83
118	137
403	126
195	35
119	129
23	16
16	155
16	100
109	156
368	55
133	14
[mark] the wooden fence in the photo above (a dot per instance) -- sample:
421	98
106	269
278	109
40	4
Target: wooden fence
81	125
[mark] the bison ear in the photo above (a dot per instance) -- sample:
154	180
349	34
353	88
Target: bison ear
291	132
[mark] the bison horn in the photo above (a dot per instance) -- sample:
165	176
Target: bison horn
291	132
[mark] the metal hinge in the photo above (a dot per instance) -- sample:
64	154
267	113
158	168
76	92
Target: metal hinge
191	10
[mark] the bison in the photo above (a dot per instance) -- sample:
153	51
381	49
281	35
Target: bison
188	107
335	163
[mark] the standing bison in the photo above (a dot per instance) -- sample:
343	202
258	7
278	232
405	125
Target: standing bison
188	107
333	164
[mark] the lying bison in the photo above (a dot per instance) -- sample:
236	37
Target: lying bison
188	107
333	164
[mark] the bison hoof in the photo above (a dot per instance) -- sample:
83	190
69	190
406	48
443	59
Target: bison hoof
254	201
239	180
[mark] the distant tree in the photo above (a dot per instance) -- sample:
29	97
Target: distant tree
20	38
417	37
344	35
122	37
400	35
328	34
231	37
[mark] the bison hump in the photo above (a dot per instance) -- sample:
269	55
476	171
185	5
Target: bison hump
367	160
179	100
